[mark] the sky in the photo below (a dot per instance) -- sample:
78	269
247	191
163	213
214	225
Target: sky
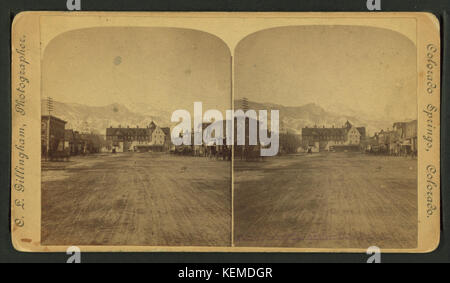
353	70
164	68
364	70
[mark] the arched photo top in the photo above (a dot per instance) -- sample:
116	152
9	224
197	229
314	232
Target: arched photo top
167	68
264	33
368	71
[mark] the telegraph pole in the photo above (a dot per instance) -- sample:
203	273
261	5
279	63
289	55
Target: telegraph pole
245	104
49	109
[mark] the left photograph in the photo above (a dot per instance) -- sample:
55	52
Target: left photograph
110	174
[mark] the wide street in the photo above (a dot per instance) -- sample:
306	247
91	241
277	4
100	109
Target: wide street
152	199
325	200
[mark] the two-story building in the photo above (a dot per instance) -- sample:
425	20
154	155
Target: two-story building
52	135
322	138
150	138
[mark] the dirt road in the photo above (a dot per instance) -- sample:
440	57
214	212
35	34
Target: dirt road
136	199
320	200
347	200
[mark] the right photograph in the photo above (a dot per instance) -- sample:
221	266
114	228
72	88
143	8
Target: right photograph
345	175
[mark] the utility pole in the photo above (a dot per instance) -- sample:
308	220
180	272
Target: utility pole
49	105
49	109
245	104
245	109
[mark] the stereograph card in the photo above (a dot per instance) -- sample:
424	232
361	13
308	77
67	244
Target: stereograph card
225	132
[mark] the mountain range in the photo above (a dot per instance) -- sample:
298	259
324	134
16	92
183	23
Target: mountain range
294	118
96	119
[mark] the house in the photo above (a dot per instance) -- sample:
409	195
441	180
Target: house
371	144
157	137
127	139
322	138
384	140
78	143
167	138
150	138
403	138
91	143
52	135
69	141
410	137
75	142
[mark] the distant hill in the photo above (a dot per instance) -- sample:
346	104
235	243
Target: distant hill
96	119
294	118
